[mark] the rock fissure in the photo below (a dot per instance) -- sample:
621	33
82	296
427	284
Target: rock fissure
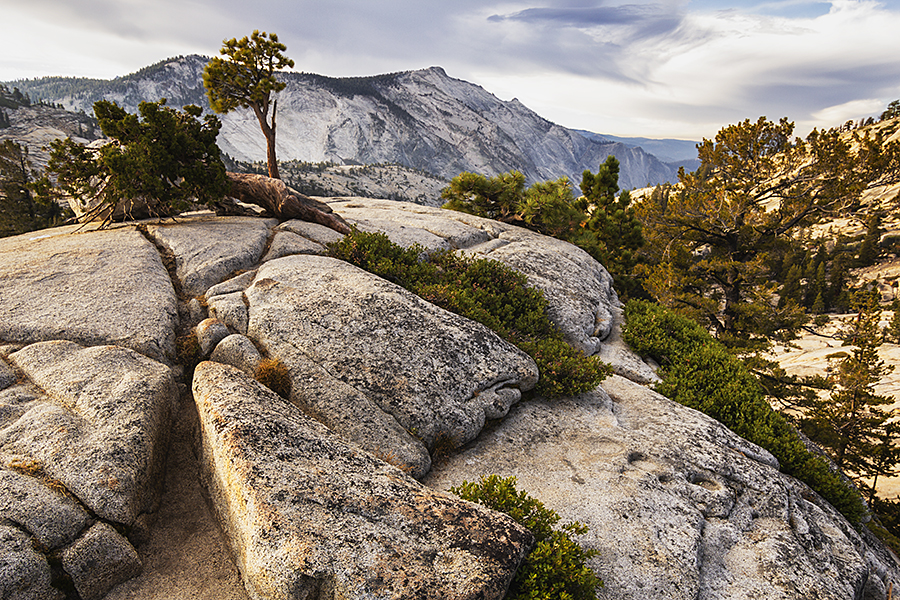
168	259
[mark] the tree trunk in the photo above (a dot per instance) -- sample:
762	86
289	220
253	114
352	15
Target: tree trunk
269	132
282	201
271	161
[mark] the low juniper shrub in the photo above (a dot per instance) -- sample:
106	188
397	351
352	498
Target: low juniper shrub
699	372
556	566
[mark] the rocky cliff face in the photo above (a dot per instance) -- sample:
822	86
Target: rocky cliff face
331	491
36	126
420	119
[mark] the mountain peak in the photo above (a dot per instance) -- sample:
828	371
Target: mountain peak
421	119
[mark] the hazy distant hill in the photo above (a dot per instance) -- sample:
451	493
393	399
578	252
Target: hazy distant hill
420	119
673	152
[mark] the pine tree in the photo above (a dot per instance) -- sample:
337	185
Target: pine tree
893	330
848	422
165	156
246	79
839	296
791	290
869	250
721	217
20	211
612	233
885	459
821	290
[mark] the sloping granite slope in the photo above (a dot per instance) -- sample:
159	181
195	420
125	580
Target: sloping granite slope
311	490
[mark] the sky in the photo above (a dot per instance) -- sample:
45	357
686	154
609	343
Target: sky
659	68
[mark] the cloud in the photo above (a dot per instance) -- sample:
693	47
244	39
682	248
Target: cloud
650	17
834	115
655	68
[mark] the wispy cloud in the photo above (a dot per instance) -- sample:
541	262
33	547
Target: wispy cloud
655	68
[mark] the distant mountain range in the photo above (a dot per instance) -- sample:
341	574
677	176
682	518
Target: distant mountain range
421	119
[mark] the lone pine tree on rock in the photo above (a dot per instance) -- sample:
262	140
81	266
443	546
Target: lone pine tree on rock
246	79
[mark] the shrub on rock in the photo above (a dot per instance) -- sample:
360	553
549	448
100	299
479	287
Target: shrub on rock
699	372
556	567
485	291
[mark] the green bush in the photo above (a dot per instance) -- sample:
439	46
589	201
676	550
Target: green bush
166	157
485	291
599	222
556	566
699	372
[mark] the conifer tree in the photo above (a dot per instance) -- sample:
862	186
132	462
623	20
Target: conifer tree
791	290
166	157
885	459
20	211
601	223
612	233
496	197
868	251
756	185
246	79
839	296
848	422
821	289
893	332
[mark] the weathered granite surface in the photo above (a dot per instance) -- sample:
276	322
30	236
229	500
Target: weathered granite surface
83	438
678	506
98	423
209	249
311	516
92	287
438	375
24	572
101	545
580	297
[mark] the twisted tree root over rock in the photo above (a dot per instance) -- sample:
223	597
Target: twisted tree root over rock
283	202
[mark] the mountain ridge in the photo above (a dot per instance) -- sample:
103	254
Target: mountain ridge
422	119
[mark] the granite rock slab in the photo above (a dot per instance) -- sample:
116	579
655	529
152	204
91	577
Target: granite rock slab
311	516
92	287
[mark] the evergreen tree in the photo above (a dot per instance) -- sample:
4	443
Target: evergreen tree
809	277
893	331
498	198
755	186
549	207
848	422
892	110
820	287
20	211
167	157
839	296
792	289
869	250
246	79
885	459
612	234
601	223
